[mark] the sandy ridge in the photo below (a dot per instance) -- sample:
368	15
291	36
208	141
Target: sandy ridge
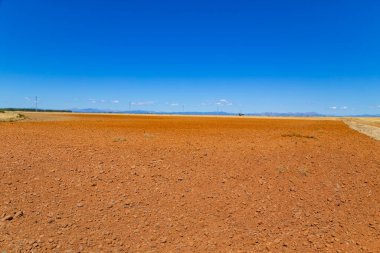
371	131
10	116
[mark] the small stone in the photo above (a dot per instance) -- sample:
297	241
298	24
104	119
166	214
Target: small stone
164	240
19	214
80	204
7	218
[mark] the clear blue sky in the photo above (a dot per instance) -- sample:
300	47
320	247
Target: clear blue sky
249	56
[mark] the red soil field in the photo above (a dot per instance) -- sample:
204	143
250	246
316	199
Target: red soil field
111	183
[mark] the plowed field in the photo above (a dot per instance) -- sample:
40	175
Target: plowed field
100	183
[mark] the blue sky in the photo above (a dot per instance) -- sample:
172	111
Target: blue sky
249	56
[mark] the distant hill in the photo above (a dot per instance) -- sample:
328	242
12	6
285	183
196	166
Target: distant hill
288	114
367	115
274	114
90	110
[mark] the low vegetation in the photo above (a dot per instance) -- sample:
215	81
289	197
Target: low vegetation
119	140
148	135
11	116
32	110
18	117
299	136
301	170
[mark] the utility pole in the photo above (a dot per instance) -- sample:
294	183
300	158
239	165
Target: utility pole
36	104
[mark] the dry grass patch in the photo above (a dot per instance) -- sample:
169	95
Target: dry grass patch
301	171
299	136
10	116
368	128
119	139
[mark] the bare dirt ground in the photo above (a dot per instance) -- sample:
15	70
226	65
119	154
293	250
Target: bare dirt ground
97	183
58	116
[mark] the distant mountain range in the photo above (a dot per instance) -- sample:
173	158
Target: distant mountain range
272	114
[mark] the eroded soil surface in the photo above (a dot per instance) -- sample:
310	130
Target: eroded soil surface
139	184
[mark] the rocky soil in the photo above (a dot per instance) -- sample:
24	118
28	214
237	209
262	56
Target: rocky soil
186	184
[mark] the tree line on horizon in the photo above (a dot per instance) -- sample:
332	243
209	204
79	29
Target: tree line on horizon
32	110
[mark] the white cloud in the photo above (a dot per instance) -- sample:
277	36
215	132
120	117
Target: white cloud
95	101
223	102
378	106
28	98
143	103
338	107
172	104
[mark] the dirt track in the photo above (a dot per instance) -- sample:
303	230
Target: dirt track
118	183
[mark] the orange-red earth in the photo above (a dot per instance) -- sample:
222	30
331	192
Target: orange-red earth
201	184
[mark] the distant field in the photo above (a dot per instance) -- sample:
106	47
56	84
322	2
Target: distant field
367	126
370	121
123	183
51	115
